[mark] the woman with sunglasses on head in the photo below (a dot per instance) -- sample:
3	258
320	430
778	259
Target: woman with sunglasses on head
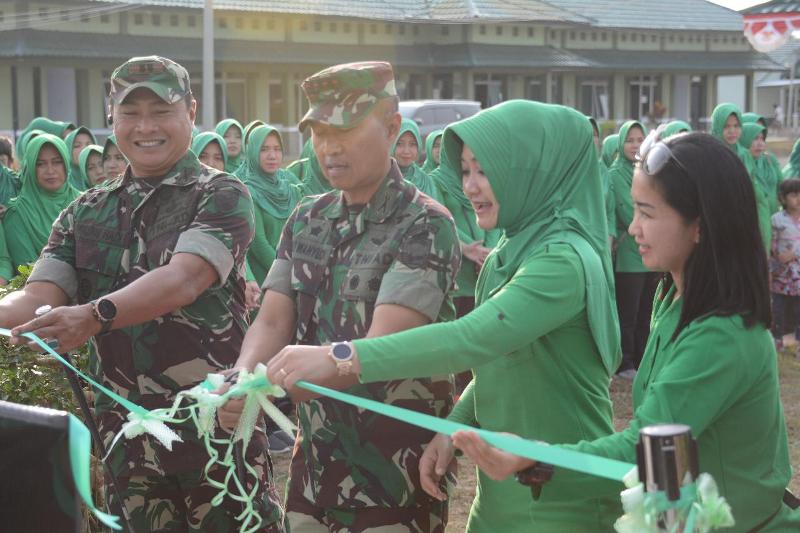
710	361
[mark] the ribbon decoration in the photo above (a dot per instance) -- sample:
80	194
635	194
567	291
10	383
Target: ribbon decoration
699	502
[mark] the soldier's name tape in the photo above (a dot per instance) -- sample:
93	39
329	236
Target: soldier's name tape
700	505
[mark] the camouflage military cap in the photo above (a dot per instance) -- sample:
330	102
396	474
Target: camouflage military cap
167	79
342	95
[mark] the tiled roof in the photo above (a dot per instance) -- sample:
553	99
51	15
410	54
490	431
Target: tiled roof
655	15
774	7
671	14
36	43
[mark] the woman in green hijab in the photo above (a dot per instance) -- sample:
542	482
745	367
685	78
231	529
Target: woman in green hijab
765	181
543	339
274	196
308	172
605	180
726	125
610	149
406	153
231	130
635	286
9	180
114	161
211	150
90	165
76	141
433	145
45	193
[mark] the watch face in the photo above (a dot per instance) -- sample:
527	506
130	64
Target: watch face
106	309
341	351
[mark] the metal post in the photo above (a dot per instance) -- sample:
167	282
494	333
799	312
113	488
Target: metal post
208	65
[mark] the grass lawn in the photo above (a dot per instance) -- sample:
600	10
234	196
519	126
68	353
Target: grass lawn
621	394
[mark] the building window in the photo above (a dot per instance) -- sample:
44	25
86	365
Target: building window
223	23
594	98
530	31
138	19
373	29
490	89
572	36
84	18
105	19
644	98
498	30
583	36
553	35
346	27
515	31
445	30
239	23
482	29
333	27
173	20
535	89
155	19
191	21
623	37
317	25
65	15
725	39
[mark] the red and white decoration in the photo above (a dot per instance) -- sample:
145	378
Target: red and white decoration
768	32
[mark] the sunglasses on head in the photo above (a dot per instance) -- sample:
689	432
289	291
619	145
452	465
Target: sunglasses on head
654	153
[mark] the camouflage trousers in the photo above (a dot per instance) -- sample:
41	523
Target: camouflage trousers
303	516
182	502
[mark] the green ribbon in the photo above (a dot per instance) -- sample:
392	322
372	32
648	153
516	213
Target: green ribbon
700	505
80	444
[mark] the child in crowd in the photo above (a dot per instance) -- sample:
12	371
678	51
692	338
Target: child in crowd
785	263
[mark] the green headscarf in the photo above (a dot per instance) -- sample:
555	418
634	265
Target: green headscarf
75	175
718	119
792	168
53	127
33	212
547	183
765	181
620	176
675	127
83	160
111	140
23	144
309	173
201	140
430	165
750	118
221	129
610	149
248	130
413	173
274	193
9	184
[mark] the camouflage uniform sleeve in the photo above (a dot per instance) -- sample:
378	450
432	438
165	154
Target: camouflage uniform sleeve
56	263
425	268
222	228
279	277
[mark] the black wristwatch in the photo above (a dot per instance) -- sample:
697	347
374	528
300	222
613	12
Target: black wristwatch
105	312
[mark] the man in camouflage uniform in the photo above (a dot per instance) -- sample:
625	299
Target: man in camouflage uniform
154	262
371	257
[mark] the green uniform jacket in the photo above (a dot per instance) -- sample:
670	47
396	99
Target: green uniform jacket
721	379
548	359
